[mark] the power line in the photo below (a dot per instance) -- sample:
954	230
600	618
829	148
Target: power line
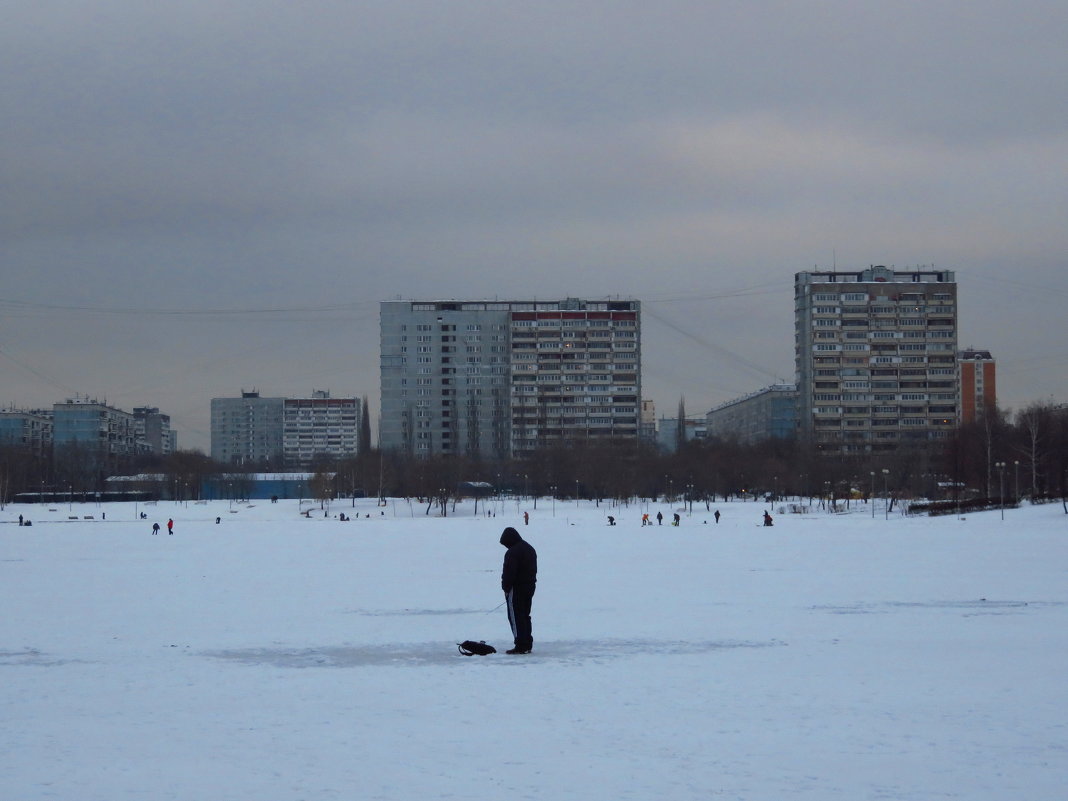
38	373
20	305
729	354
760	289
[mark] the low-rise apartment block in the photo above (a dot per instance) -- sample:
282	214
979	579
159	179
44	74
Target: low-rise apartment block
768	413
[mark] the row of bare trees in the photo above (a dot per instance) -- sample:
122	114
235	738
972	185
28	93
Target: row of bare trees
1025	456
1028	455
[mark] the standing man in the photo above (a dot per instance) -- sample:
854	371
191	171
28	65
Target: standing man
170	526
518	579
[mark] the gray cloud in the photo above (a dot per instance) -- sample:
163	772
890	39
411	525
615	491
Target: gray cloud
295	156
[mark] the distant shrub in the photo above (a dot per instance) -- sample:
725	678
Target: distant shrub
950	507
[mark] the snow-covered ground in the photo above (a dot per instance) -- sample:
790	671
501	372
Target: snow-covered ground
276	657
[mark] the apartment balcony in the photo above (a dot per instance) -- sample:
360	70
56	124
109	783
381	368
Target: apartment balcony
853	413
876	417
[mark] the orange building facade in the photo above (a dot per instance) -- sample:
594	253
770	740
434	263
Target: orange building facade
978	384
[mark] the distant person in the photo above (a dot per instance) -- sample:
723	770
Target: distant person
526	518
519	577
20	520
660	518
717	516
677	519
645	519
155	529
767	518
170	526
611	520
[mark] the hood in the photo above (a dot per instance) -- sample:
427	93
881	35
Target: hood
510	537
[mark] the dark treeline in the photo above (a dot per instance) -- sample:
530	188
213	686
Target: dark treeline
1024	457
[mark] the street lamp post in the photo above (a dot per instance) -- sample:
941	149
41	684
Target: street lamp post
1017	463
871	498
552	490
886	493
1001	475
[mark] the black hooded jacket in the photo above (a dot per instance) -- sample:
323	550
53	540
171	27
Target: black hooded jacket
520	563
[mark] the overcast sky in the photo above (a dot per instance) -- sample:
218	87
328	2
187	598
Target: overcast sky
202	197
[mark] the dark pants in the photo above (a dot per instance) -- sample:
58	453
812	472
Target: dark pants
519	603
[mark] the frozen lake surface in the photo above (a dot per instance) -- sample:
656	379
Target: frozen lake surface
276	657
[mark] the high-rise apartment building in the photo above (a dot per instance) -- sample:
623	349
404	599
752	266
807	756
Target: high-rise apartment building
247	430
503	378
319	426
978	383
876	357
293	432
153	430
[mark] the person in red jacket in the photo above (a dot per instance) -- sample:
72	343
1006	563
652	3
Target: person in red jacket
170	526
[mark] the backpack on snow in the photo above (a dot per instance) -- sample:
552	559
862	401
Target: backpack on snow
470	648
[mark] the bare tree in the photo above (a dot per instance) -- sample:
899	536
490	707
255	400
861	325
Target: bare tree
363	443
680	431
322	487
1034	426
